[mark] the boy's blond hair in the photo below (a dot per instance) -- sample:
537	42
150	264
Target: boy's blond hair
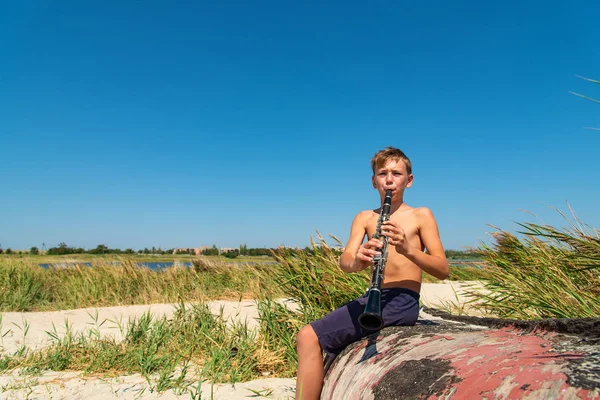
390	153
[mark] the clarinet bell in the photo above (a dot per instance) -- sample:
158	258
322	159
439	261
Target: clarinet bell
371	318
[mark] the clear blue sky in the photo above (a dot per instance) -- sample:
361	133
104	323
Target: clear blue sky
140	124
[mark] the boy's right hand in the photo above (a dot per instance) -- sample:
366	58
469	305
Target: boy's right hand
366	252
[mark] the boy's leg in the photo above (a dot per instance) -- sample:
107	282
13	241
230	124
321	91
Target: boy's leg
400	307
340	328
309	381
330	334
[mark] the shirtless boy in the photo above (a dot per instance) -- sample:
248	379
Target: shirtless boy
410	232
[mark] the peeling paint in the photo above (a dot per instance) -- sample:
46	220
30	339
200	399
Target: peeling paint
444	360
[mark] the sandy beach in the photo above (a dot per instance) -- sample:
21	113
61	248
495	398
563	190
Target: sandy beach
111	321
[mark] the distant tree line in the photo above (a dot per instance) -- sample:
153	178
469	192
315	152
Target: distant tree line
462	254
233	253
64	249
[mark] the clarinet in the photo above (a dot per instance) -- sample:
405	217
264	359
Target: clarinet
371	318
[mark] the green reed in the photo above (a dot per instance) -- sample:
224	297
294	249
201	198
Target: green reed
24	286
314	279
547	272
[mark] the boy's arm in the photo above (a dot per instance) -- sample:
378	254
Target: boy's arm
433	262
349	261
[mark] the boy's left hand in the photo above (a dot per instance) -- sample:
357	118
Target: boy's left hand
396	236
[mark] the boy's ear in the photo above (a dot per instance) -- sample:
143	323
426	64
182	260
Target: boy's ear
373	182
411	177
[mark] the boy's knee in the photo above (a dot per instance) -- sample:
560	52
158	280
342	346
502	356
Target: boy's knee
307	337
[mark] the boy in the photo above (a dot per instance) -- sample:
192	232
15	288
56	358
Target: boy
409	231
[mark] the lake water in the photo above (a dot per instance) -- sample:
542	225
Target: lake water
155	266
466	263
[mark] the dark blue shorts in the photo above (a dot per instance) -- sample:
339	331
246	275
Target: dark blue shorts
340	327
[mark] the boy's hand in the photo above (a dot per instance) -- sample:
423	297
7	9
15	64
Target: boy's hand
396	236
366	252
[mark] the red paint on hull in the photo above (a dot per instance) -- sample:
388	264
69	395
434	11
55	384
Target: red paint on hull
509	365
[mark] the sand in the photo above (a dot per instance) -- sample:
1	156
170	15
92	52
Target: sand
110	321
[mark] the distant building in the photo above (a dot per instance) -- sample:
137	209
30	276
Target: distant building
288	247
227	250
195	250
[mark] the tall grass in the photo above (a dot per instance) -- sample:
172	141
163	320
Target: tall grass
170	352
316	284
24	286
315	280
548	272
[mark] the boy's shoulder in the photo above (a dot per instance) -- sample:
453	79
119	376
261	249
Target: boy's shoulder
421	213
366	213
416	215
363	216
422	210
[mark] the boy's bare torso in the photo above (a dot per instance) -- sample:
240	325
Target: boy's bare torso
399	271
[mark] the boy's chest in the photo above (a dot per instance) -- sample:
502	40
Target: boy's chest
407	221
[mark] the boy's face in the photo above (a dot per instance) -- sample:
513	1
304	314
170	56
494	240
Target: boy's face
393	175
